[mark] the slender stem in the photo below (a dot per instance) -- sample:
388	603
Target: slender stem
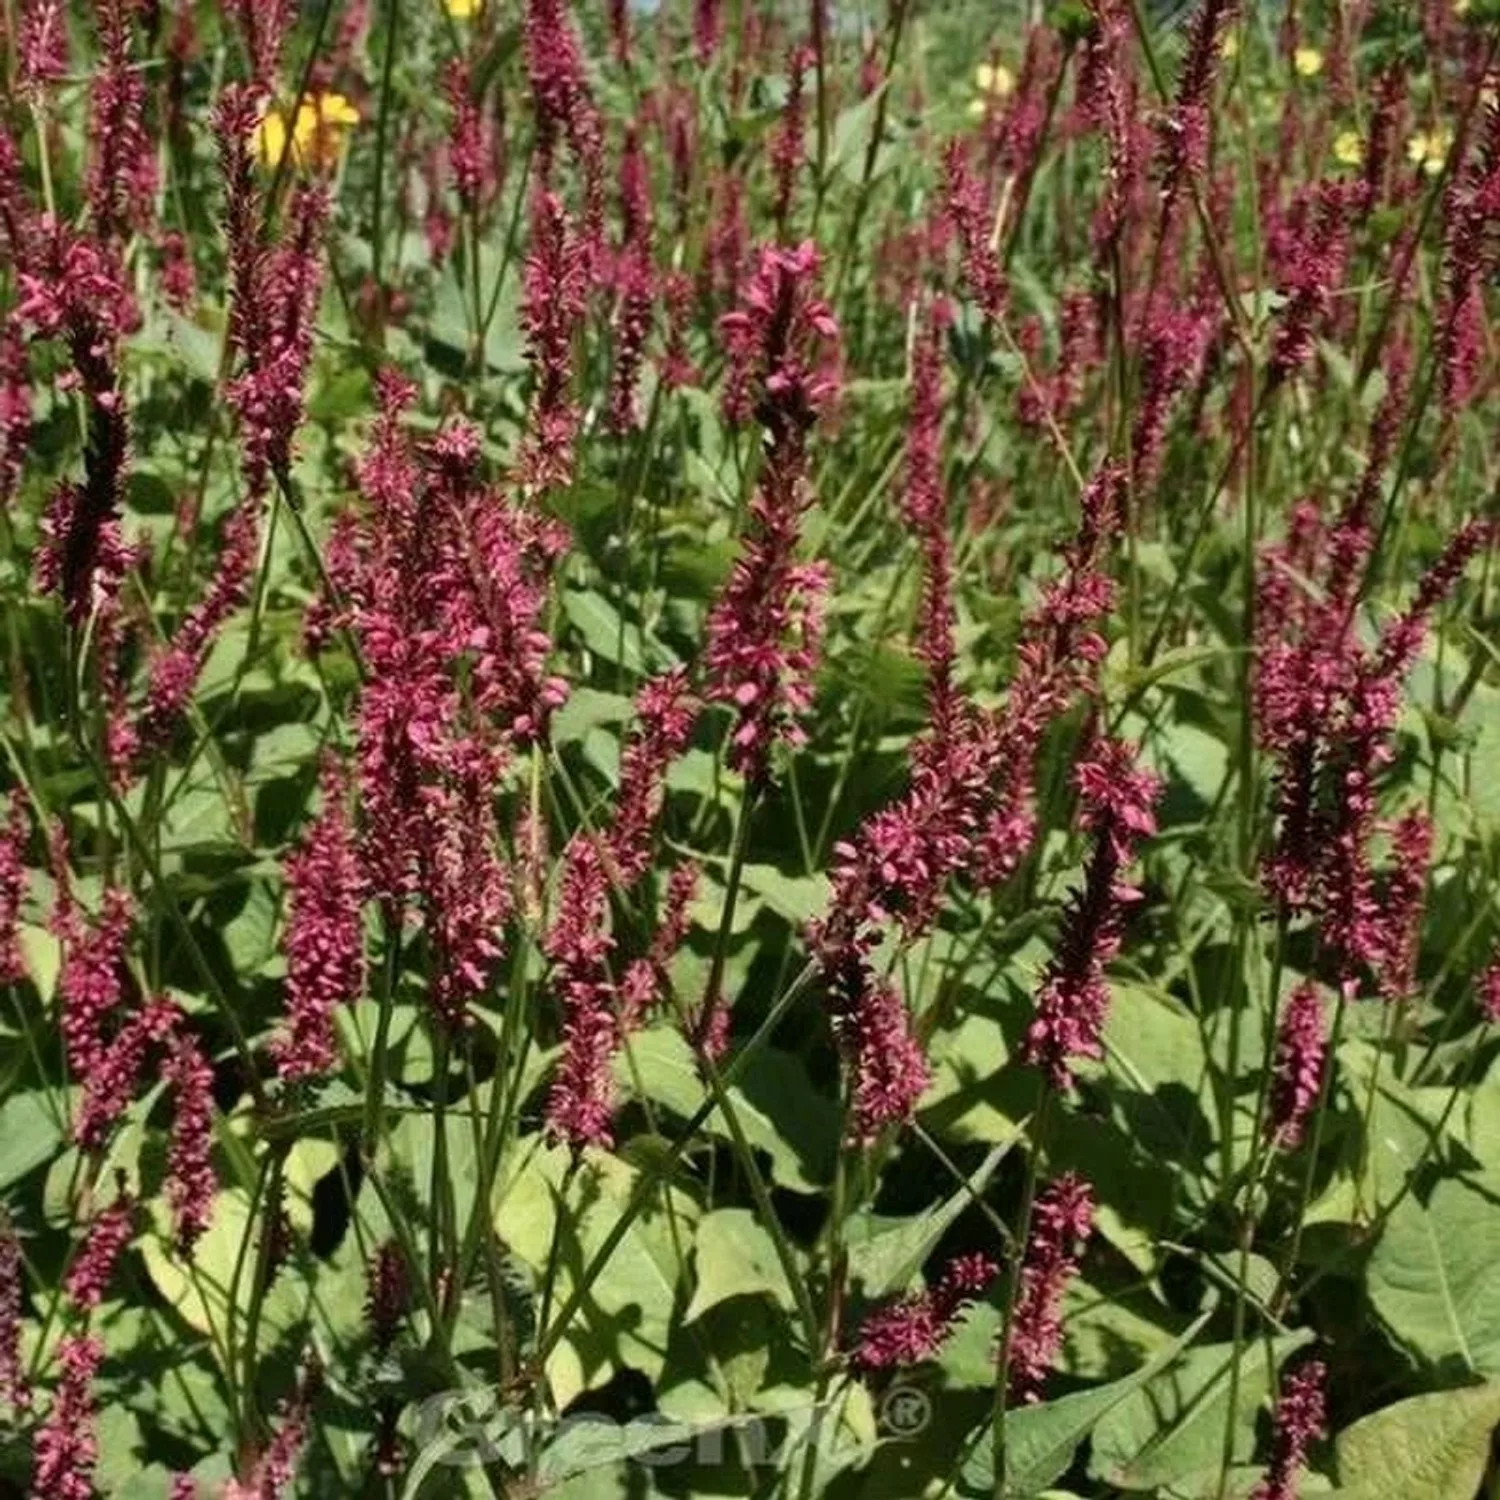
714	984
660	1167
440	1187
1013	1284
382	139
1320	1111
259	1285
374	1113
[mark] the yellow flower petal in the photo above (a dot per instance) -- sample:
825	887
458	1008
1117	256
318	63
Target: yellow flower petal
270	137
335	109
462	10
1348	149
995	79
1308	62
1229	44
1429	149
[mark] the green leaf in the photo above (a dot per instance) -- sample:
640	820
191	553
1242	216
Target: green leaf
1171	1431
118	1432
1432	1447
734	1257
797	898
202	1296
609	637
1040	1441
774	1101
31	1132
1434	1279
627	1316
851	136
42	955
884	1256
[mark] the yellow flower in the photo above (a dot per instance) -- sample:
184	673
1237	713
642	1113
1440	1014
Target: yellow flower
463	10
334	109
1229	45
995	79
1308	62
1428	149
1461	7
1348	149
270	137
317	131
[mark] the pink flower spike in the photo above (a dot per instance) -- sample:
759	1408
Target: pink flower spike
66	1449
1117	802
1301	1049
324	937
191	1184
764	630
13	1388
555	299
1301	1418
107	1236
914	1328
1062	1219
13	836
578	945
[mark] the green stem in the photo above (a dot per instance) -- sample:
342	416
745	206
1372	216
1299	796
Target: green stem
1013	1284
659	1168
374	1113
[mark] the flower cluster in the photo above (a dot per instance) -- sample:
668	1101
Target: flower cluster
1116	801
269	1474
66	1448
1327	707
971	220
13	1389
555	300
1300	1419
1301	1048
324	938
764	628
441	582
1062	1219
597	1013
108	1235
915	1327
13	836
274	291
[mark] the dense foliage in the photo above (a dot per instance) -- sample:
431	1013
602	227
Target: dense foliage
749	748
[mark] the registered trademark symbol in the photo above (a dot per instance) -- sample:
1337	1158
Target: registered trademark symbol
905	1411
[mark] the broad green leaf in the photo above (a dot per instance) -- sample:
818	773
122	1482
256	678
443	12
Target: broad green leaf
1041	1440
1154	1050
972	1097
627	1316
1434	1279
774	1101
797	898
31	1132
852	132
201	1294
118	1432
1432	1447
1171	1431
42	955
733	1256
604	632
884	1256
